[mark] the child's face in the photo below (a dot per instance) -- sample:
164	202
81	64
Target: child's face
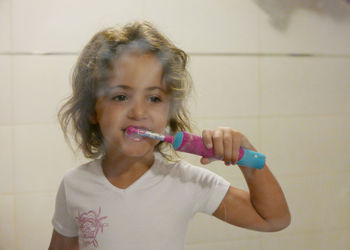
135	96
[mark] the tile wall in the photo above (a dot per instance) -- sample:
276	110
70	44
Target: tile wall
277	71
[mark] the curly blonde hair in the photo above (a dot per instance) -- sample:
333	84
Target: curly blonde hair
92	71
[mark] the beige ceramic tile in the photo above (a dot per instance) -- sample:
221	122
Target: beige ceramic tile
41	154
6	161
336	207
305	85
321	240
335	239
305	26
306	202
7	222
5	25
41	83
33	220
224	86
318	203
306	145
302	241
207	26
63	25
6	101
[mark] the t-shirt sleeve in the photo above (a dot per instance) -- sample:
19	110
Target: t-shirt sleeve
62	220
211	190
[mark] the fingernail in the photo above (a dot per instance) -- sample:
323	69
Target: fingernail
227	163
209	145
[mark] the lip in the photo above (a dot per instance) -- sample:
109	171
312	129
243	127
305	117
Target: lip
134	137
137	127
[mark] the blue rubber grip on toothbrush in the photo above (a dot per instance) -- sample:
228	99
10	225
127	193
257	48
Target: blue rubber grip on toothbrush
252	159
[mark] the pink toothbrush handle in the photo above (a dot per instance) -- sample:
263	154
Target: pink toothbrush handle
194	144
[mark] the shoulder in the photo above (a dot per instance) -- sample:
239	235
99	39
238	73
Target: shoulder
188	172
179	167
85	171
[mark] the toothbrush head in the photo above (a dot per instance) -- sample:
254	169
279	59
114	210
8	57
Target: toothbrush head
132	131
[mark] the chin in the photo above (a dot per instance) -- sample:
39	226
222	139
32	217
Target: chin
138	152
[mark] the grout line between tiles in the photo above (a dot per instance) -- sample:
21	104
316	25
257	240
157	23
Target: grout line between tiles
12	119
13	158
259	105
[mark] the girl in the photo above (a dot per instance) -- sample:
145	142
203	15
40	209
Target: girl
134	195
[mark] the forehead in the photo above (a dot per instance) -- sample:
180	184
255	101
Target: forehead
136	70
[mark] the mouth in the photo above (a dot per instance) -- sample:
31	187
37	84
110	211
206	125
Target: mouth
134	136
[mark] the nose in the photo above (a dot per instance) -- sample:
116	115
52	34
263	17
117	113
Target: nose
137	110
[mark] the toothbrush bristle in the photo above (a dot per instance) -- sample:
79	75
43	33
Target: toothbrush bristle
132	130
139	132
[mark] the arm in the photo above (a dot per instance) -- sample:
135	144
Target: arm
60	242
264	207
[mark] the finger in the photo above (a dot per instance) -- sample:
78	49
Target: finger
228	147
205	161
236	144
207	138
218	143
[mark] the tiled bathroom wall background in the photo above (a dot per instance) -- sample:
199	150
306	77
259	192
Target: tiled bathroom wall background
279	71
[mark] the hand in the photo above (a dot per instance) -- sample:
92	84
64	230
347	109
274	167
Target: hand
226	142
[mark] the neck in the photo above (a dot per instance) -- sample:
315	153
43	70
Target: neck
117	166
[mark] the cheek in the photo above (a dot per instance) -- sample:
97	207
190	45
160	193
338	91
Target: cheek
164	110
163	117
109	121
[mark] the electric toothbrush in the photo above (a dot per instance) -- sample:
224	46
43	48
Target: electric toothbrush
193	144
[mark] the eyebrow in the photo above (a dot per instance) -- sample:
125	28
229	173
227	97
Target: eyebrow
125	87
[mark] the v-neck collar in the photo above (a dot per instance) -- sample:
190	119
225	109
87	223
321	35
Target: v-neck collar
137	184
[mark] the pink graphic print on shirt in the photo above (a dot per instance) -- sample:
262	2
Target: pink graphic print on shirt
90	223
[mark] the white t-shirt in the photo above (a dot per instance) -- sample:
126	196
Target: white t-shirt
151	214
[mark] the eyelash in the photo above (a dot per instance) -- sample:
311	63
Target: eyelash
123	98
155	99
118	98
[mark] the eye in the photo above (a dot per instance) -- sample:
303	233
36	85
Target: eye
155	99
120	98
